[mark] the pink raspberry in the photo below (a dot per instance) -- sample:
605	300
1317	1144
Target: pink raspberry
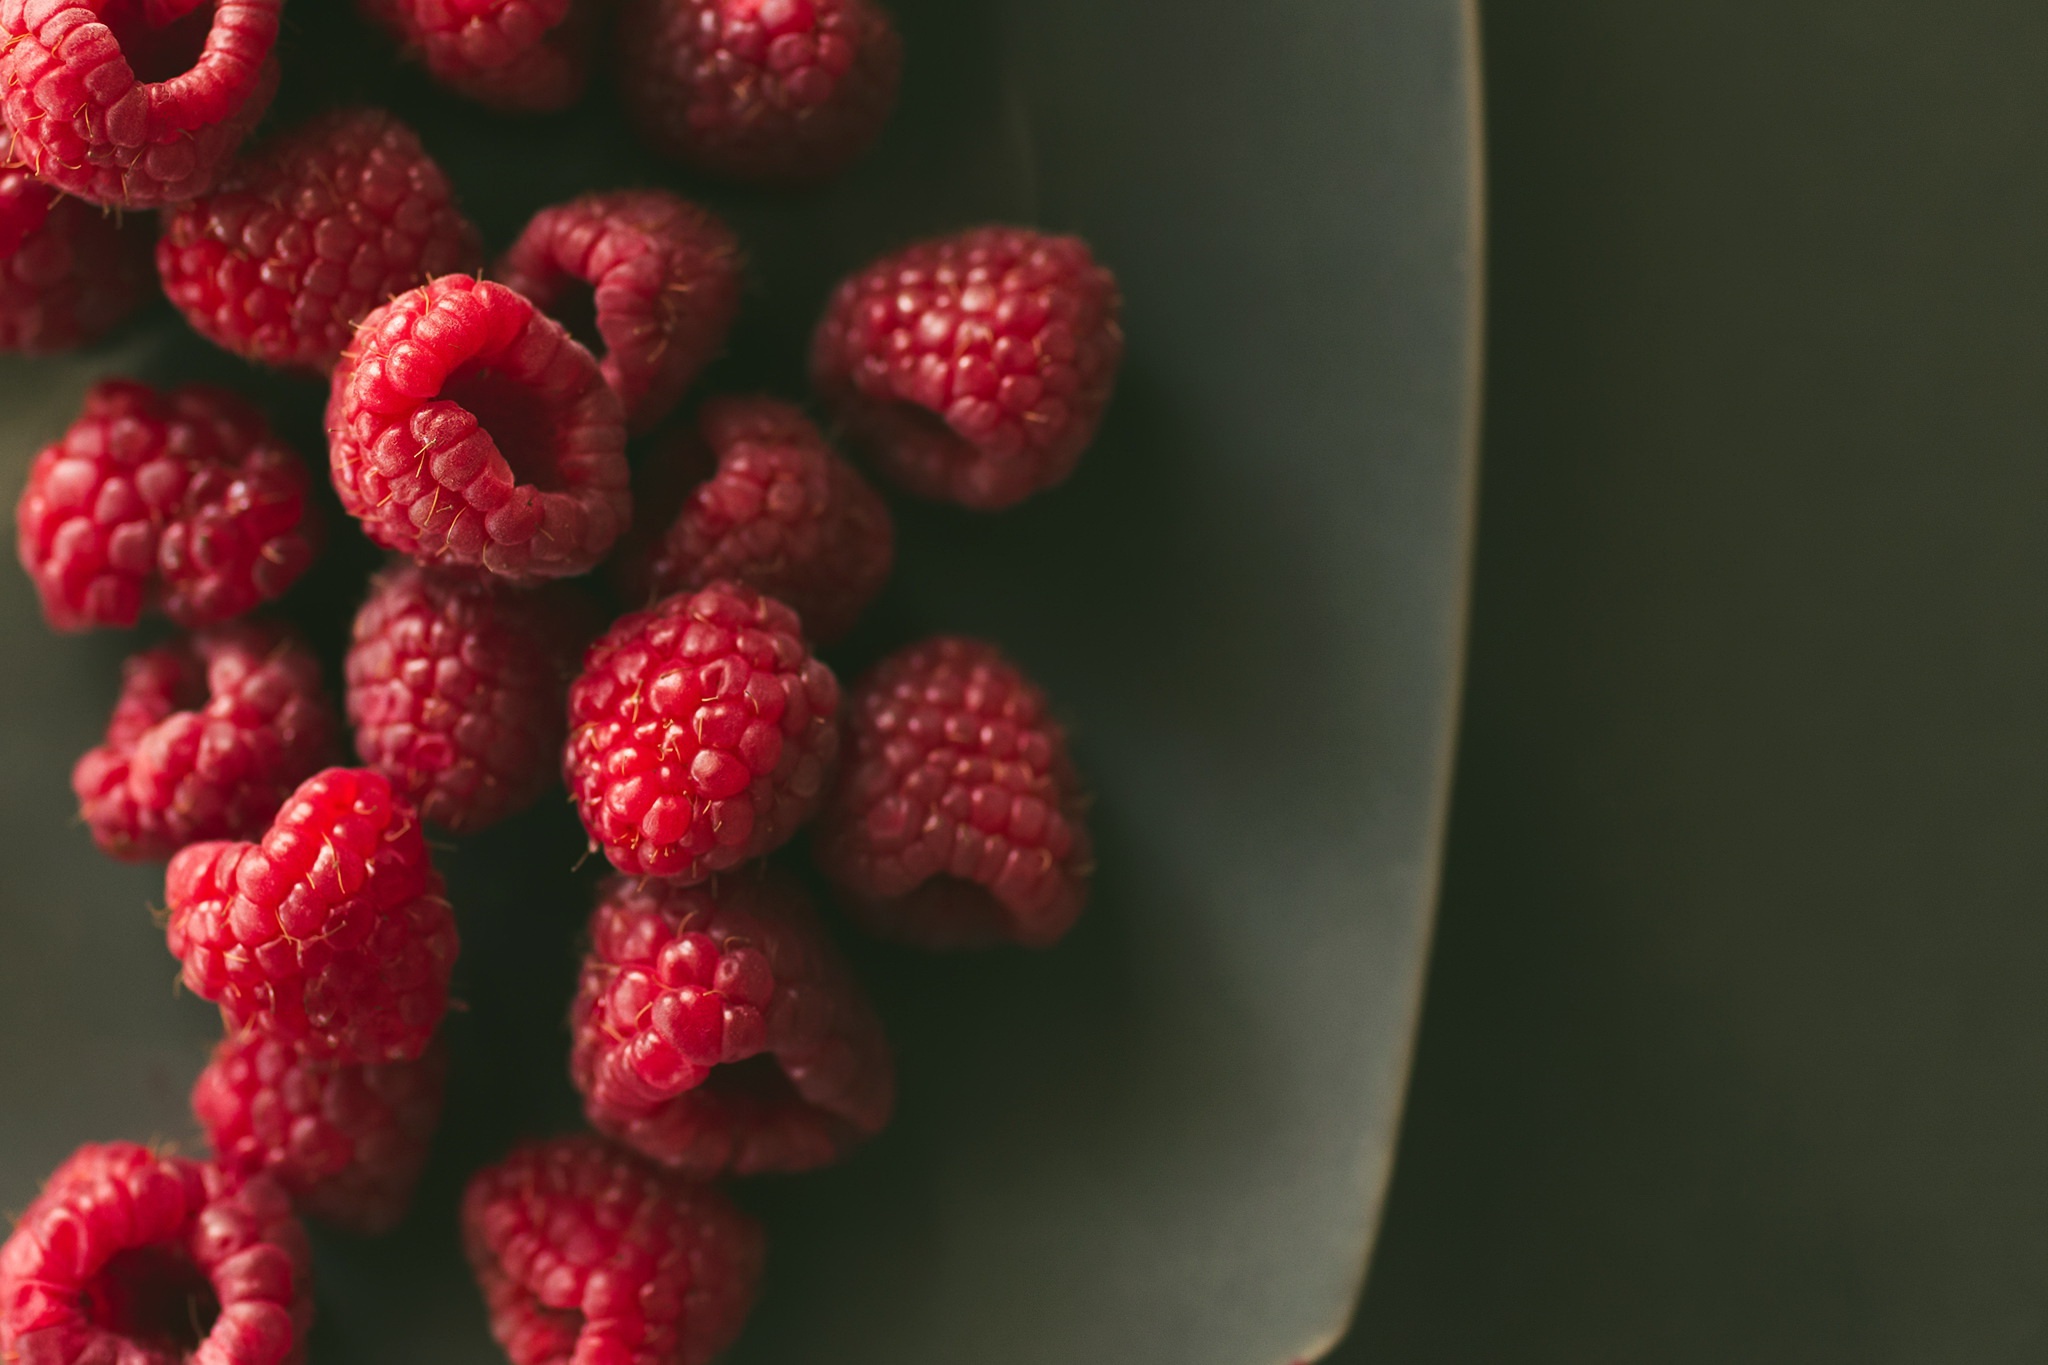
134	103
210	735
182	500
347	1141
702	733
656	278
776	91
587	1254
716	1029
69	272
466	427
307	234
958	821
330	934
516	56
973	368
131	1257
456	686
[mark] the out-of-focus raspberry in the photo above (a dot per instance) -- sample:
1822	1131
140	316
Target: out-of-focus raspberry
307	234
181	500
331	934
702	733
586	1253
657	277
516	56
347	1141
716	1029
134	103
958	820
69	272
775	91
455	688
973	368
134	1257
210	735
466	427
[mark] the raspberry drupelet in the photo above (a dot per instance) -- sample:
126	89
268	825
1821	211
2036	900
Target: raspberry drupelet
134	104
515	56
211	733
330	934
69	272
466	427
347	1141
958	820
135	1257
656	277
307	234
717	1030
702	733
455	689
182	501
973	368
772	91
585	1253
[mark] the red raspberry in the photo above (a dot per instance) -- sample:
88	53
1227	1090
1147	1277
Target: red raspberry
717	1030
776	91
702	733
455	688
467	427
958	820
784	514
657	277
346	1141
210	735
974	368
587	1254
517	56
182	500
131	1257
68	271
307	234
134	103
330	934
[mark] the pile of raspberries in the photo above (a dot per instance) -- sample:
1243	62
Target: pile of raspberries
478	421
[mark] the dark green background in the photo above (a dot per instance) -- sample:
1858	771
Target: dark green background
1737	1037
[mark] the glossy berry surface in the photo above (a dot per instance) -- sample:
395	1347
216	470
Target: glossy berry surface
516	56
69	272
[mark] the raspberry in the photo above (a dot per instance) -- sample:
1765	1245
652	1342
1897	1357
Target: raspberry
775	91
182	500
974	368
702	733
455	688
330	934
716	1029
658	277
958	820
134	103
516	56
347	1142
210	735
132	1257
307	234
586	1253
467	427
68	271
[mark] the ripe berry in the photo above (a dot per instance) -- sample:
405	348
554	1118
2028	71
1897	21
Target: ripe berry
701	735
330	934
307	234
775	91
516	56
957	822
181	500
585	1253
134	103
69	272
656	279
973	368
210	735
456	687
717	1030
134	1257
347	1141
466	427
